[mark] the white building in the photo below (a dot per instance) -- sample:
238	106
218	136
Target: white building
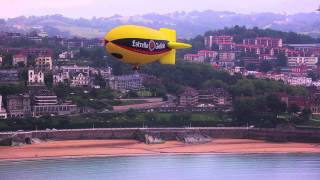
206	54
106	73
67	70
3	113
210	41
66	55
35	77
299	81
227	59
42	34
80	80
58	78
126	82
194	58
298	61
264	41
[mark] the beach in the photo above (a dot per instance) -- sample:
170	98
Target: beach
88	148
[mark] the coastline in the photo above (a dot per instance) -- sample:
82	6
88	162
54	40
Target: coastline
120	148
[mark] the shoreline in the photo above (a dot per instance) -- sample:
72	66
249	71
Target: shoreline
126	148
144	155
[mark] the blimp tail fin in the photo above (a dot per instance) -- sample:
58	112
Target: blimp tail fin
170	58
170	34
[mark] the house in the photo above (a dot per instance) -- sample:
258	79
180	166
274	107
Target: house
19	59
79	79
208	55
227	56
307	49
310	61
189	97
194	58
18	106
67	70
66	55
58	78
70	73
251	61
3	113
251	49
210	41
300	101
43	63
227	59
299	81
36	51
106	73
35	77
229	46
215	96
264	41
126	82
45	102
314	104
9	76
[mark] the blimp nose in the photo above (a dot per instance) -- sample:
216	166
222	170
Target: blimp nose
105	42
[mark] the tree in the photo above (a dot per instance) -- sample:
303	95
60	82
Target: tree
244	87
62	90
275	105
306	114
293	108
98	79
214	83
282	60
313	75
151	116
265	66
48	79
132	94
7	61
251	67
244	111
131	114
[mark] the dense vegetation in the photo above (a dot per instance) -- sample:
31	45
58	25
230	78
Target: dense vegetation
129	119
241	32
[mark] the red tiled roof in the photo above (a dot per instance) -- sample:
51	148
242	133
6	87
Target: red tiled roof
268	38
227	43
223	36
19	56
249	46
192	55
207	51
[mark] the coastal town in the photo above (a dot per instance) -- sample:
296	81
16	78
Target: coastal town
36	69
153	90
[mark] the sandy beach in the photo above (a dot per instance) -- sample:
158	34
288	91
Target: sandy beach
82	148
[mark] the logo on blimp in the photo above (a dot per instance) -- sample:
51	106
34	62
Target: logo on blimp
152	45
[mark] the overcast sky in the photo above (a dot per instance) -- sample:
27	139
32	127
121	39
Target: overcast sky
105	8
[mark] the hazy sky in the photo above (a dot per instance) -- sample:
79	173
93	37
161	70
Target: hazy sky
105	8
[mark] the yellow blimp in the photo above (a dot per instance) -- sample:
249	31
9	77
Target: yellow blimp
138	45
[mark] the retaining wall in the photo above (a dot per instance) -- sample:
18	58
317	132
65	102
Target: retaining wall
171	133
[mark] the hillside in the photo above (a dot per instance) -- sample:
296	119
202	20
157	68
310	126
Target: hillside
187	24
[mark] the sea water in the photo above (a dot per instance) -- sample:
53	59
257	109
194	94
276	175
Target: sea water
169	167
